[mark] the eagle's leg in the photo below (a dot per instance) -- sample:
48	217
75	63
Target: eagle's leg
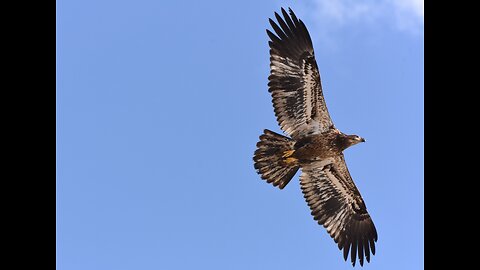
288	159
288	153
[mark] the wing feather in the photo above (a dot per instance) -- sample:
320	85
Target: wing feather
294	80
336	203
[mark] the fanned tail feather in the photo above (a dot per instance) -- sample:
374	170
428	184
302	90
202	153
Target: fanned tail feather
272	158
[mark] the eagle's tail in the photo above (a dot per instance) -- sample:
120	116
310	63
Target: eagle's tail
273	158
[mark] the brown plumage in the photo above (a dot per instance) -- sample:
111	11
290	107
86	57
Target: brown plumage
314	145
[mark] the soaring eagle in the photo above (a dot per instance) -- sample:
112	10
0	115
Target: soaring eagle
314	144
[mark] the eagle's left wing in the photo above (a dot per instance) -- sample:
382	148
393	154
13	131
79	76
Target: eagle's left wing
336	204
294	80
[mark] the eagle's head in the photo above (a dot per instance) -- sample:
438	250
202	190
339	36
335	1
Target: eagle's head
344	141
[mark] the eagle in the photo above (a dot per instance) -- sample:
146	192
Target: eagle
313	143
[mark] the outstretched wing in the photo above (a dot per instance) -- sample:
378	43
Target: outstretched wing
294	80
337	205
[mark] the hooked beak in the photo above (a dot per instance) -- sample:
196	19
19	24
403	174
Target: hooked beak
362	139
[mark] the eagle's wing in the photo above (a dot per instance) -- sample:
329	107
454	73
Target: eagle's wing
294	80
337	205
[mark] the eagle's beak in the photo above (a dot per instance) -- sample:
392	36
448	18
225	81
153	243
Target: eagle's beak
362	140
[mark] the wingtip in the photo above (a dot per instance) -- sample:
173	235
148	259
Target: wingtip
269	33
278	17
285	15
345	251
272	22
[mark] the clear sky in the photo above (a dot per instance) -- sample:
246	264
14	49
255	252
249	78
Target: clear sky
160	105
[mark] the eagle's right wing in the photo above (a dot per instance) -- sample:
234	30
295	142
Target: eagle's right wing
337	205
294	80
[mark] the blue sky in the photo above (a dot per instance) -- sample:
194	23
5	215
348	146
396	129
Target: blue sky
160	105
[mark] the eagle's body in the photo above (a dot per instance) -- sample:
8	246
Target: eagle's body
328	144
314	144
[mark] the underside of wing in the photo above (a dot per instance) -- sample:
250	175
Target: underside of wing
294	80
336	204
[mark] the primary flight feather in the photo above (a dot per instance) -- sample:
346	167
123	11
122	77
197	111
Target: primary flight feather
314	144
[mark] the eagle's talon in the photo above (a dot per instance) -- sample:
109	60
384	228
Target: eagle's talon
288	153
